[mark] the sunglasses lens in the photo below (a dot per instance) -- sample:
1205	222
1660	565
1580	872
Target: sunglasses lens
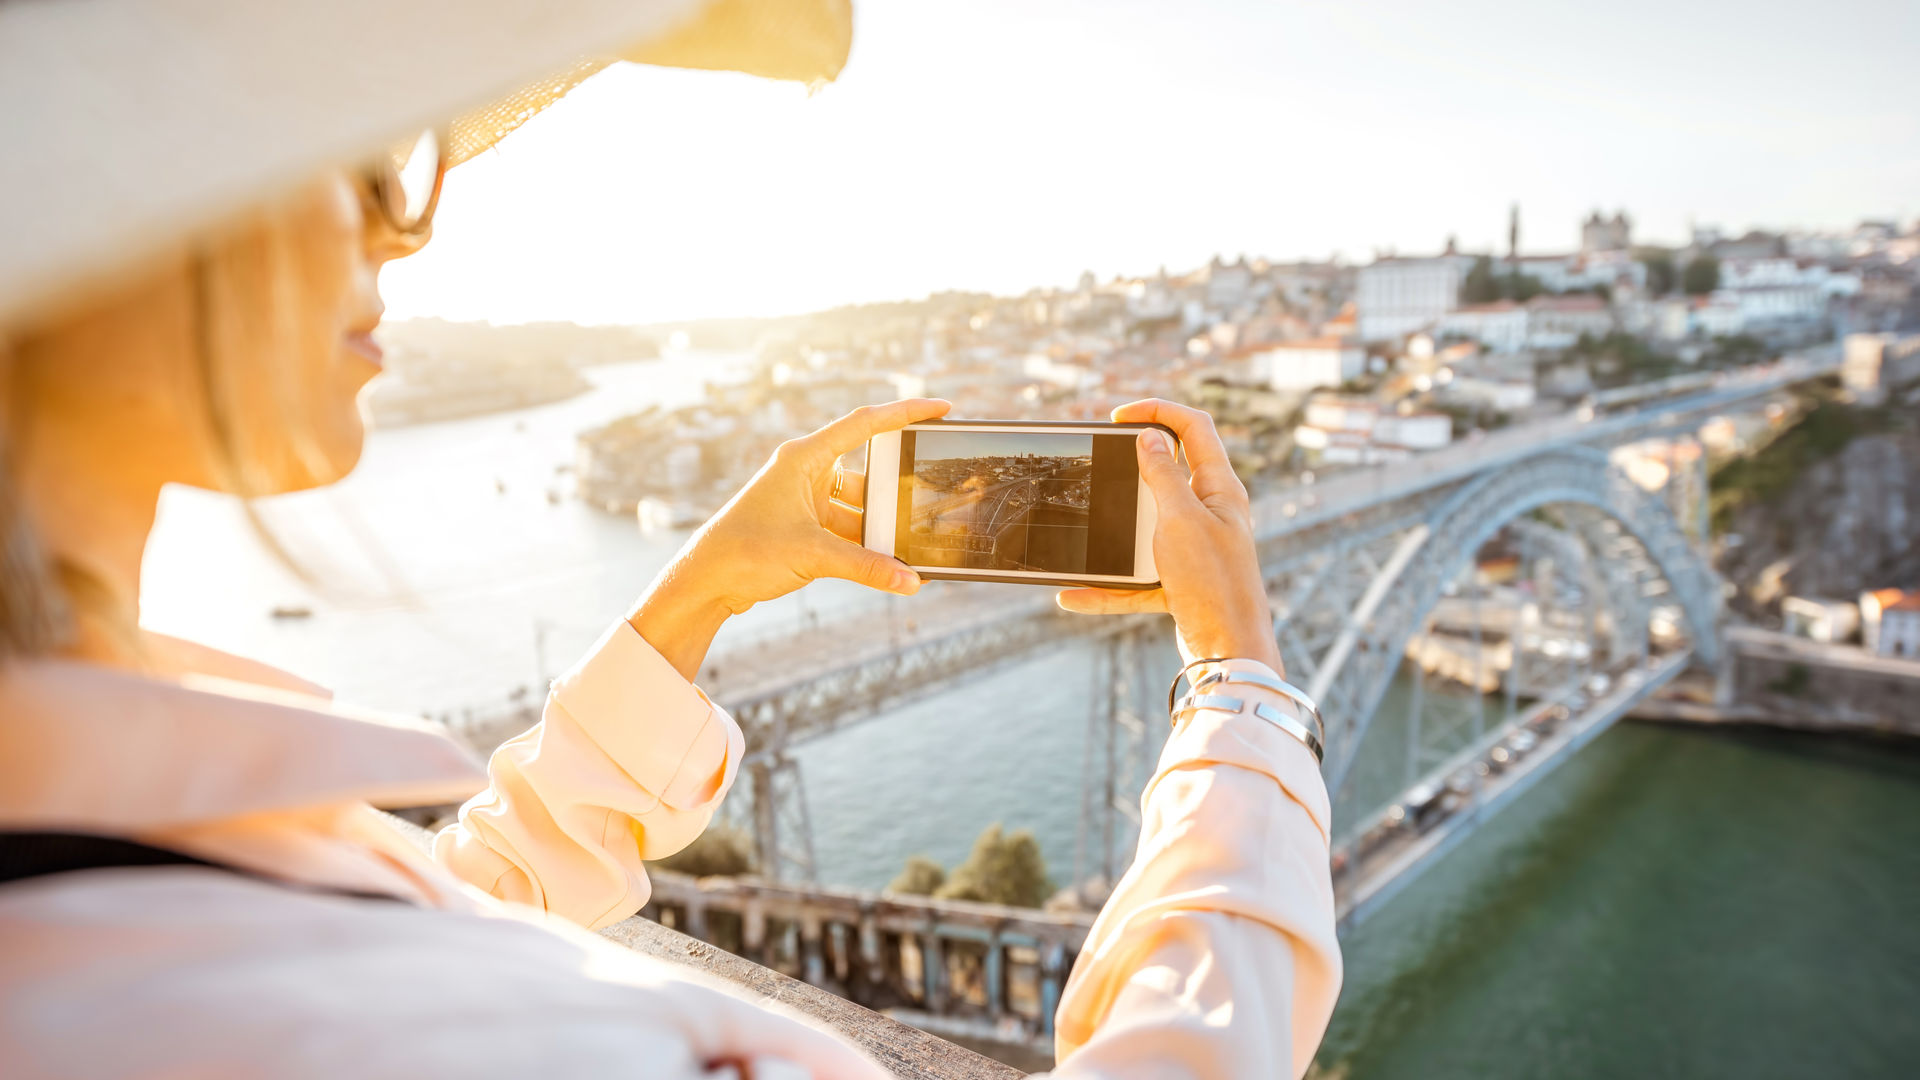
415	174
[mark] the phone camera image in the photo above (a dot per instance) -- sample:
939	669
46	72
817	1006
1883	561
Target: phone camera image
1059	503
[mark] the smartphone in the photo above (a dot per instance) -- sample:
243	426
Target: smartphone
1057	503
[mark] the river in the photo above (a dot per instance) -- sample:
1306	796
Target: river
1672	903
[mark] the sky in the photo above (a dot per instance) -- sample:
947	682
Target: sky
1000	145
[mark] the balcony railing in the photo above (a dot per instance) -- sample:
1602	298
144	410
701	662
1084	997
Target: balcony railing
984	973
808	931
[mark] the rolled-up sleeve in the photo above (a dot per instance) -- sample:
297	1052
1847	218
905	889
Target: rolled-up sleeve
629	762
1216	954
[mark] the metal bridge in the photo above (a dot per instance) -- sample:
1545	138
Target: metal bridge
1356	569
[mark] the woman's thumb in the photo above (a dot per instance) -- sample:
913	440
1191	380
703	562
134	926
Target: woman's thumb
1161	472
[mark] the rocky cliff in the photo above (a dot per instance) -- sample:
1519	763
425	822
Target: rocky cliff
1830	509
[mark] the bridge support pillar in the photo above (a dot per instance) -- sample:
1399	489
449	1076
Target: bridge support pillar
782	831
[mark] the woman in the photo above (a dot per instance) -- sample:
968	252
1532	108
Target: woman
252	915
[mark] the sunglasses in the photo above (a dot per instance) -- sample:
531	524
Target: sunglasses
404	185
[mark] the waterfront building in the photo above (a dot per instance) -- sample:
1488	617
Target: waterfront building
1873	362
1820	619
1890	622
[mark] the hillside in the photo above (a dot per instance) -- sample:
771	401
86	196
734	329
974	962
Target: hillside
1830	508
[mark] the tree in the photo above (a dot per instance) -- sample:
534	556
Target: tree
1481	286
1004	868
720	851
1660	274
920	877
1701	276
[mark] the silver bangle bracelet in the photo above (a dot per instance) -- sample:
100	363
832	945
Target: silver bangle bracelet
1292	727
1309	712
1271	715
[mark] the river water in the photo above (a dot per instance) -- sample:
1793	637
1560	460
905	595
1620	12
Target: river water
1672	904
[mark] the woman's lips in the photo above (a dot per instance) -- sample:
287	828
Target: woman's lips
362	344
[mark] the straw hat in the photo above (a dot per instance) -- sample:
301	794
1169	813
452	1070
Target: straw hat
132	124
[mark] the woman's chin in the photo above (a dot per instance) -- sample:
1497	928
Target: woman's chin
328	458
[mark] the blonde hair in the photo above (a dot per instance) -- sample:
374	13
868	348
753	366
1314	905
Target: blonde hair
34	616
242	285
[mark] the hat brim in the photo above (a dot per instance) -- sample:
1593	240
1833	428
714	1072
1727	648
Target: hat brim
135	124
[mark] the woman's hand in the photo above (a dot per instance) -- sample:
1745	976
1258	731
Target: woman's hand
784	529
1203	544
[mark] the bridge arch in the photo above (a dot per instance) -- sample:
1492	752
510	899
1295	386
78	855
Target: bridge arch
1351	676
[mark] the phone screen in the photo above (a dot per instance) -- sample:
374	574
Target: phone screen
1047	502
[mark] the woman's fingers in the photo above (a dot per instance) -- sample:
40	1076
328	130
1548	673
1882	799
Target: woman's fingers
1212	470
1111	601
867	421
849	487
845	559
842	521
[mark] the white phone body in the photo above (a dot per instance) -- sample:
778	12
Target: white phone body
884	490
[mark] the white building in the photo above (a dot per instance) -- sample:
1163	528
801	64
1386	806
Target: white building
1329	412
1497	394
1396	297
1305	365
1719	315
1826	621
1556	322
1544	322
1500	326
1356	431
1415	431
1890	623
1778	290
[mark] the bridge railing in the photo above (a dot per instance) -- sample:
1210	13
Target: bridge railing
984	972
